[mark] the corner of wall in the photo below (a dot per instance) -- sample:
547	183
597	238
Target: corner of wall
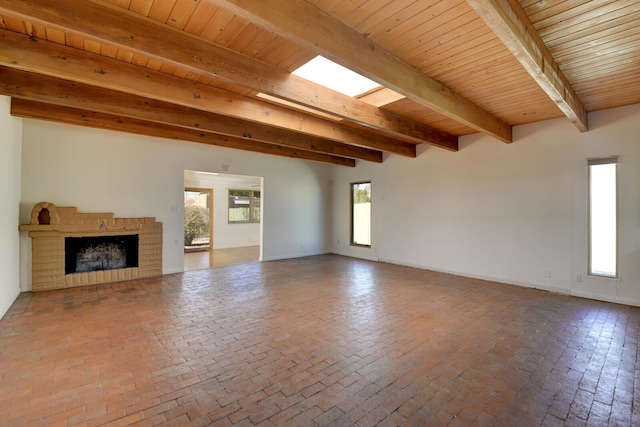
10	188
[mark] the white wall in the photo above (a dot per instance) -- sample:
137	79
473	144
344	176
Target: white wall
136	176
10	153
227	235
504	212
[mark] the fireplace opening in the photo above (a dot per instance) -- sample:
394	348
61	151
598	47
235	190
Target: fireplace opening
84	254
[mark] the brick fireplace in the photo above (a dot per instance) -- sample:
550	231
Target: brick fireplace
105	249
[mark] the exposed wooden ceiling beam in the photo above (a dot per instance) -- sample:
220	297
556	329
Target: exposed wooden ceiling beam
21	52
51	90
307	25
41	111
104	22
511	24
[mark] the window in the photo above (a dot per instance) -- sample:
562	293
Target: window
244	206
603	217
361	214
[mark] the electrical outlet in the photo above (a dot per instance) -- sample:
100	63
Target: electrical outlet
547	273
578	277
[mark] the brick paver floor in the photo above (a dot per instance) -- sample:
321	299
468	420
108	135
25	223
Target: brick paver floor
324	340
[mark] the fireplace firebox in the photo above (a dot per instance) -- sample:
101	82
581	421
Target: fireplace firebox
83	254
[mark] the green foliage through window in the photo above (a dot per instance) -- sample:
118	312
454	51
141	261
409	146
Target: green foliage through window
361	214
196	223
362	195
244	206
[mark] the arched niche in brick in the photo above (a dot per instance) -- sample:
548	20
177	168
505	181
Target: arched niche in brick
44	213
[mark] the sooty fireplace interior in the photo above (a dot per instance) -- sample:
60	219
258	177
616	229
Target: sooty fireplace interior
83	254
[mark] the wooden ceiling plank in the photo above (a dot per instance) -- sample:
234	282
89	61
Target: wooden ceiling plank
13	24
41	111
125	56
580	13
594	32
443	18
364	12
92	46
76	95
618	12
121	3
450	59
457	33
595	39
200	18
103	22
346	6
231	31
216	24
140	60
143	7
19	52
258	44
316	30
245	38
607	68
56	36
511	24
109	51
630	46
181	13
387	24
72	40
476	64
160	10
549	10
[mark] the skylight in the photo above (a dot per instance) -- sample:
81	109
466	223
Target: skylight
327	73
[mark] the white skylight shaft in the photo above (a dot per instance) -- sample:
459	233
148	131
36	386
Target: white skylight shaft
327	73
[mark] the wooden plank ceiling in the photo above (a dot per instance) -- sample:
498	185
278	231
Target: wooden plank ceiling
219	71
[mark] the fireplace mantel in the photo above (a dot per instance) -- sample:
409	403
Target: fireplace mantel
50	225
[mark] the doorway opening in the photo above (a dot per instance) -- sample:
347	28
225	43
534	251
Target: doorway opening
198	222
227	239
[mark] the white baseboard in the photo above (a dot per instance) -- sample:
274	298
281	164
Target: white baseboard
365	256
295	255
615	300
4	307
562	291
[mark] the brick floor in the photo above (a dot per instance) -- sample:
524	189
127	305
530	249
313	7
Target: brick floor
323	340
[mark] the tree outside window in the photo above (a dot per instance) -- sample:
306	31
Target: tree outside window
244	206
